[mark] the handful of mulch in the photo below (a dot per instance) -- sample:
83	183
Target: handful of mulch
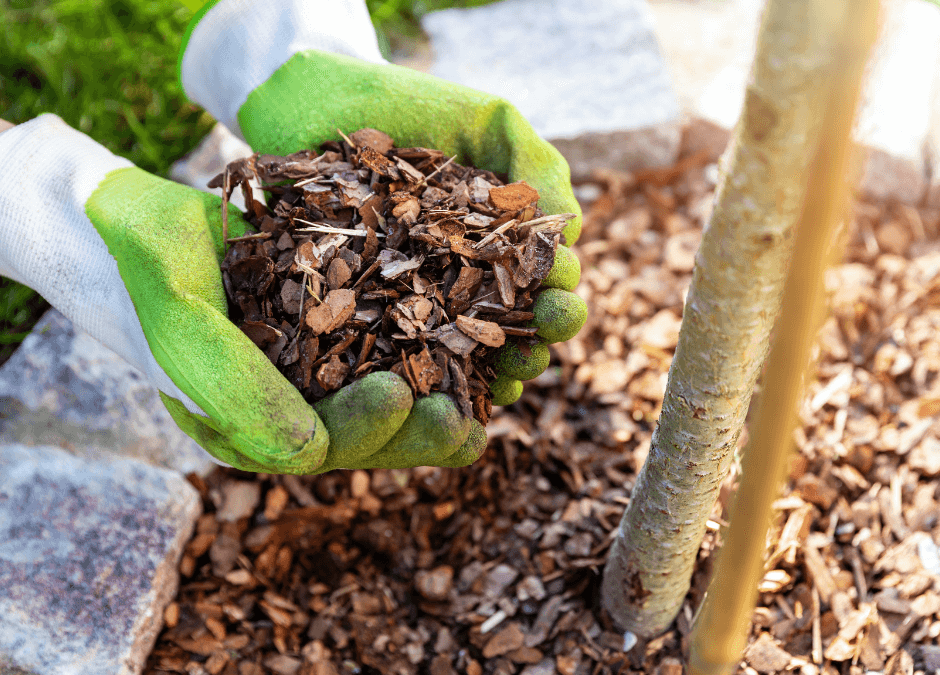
370	257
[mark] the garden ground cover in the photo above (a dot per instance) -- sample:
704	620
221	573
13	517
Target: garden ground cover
495	568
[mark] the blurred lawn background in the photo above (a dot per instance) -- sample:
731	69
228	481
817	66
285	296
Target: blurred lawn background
108	68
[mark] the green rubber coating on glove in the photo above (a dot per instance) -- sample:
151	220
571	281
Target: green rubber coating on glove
314	93
362	417
506	390
434	431
167	241
471	450
511	362
204	432
559	315
566	272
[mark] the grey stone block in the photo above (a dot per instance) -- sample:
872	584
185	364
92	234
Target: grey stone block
64	388
88	559
710	45
624	150
887	176
586	74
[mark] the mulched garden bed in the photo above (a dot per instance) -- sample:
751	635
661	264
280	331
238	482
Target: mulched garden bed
495	568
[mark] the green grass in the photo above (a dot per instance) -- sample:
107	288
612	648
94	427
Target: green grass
108	68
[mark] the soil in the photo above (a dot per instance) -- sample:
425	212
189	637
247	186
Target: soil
495	568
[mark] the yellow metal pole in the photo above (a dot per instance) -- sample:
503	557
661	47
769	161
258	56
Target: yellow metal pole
720	632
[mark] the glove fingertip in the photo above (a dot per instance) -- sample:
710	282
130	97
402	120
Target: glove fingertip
572	231
434	430
506	390
566	271
363	416
512	362
559	315
472	449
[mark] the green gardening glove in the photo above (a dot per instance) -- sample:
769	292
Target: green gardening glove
286	113
282	102
167	240
133	260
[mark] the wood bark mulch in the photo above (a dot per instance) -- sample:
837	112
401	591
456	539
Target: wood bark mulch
495	568
367	257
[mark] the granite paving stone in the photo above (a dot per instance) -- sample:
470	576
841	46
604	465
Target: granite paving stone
88	559
709	46
64	388
588	75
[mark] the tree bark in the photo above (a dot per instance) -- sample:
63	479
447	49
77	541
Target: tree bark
721	629
730	310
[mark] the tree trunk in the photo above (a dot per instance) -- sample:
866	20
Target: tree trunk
721	629
732	304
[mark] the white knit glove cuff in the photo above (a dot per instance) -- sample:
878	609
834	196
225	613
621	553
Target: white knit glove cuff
47	173
239	44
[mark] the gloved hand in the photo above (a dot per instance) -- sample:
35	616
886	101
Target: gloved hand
134	261
258	69
167	240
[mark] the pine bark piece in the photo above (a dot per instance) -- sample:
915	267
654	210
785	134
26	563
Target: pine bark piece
352	193
456	340
369	211
467	284
308	256
507	292
461	389
486	332
538	260
408	172
338	273
514	196
368	342
253	274
528	331
308	356
261	333
407	211
378	162
336	309
332	373
426	373
290	296
374	139
394	263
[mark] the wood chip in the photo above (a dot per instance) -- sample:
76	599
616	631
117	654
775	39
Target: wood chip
514	196
486	332
336	309
819	573
504	641
764	656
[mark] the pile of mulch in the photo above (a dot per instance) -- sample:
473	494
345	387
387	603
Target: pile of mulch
367	258
495	568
